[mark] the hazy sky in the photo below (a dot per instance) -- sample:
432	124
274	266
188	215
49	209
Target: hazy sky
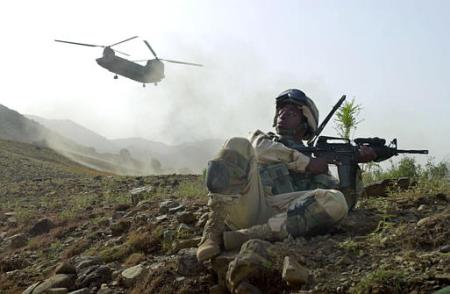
393	56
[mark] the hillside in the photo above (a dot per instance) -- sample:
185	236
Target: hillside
26	162
65	226
78	133
182	158
16	127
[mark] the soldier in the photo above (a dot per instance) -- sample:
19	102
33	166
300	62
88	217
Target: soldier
265	189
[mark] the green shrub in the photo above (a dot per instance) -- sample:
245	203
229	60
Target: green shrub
430	178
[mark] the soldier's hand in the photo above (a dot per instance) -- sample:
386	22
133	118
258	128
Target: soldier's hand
317	166
366	154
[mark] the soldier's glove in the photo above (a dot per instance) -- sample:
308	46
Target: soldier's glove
299	162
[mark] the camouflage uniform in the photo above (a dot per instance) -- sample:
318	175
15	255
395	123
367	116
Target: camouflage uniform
248	201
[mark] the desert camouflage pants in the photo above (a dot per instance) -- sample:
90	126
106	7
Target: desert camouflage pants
255	205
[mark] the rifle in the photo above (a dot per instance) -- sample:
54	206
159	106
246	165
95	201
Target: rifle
344	154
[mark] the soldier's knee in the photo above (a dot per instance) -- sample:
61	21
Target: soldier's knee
333	203
240	145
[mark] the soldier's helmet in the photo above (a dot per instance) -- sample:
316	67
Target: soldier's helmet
307	106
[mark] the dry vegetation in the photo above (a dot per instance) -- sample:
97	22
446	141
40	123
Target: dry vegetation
394	244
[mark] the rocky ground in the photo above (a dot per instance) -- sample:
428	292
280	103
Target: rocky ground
78	232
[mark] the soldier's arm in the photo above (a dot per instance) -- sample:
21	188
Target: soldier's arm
269	152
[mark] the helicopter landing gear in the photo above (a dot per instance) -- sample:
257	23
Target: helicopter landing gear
116	77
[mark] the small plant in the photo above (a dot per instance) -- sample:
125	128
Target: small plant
381	281
350	245
116	253
194	189
347	118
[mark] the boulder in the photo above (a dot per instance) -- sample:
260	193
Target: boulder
120	227
93	275
57	291
294	273
254	263
166	205
138	194
66	268
185	217
43	226
187	263
18	240
132	274
56	281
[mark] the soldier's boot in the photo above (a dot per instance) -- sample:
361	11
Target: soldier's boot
211	242
234	239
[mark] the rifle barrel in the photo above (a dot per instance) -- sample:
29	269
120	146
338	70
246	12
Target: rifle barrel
412	151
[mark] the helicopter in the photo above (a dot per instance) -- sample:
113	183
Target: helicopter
151	72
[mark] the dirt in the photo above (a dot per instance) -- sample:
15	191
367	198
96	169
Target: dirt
394	244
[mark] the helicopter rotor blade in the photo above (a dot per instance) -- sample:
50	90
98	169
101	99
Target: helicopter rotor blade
82	44
182	62
123	41
151	49
123	53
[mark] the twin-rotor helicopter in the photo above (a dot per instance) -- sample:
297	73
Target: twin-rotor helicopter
151	72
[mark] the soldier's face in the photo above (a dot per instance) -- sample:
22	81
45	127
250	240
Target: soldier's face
289	117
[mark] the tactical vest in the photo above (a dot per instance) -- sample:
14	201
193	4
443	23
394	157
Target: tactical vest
280	180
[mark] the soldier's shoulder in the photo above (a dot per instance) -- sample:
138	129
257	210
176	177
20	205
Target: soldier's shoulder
258	134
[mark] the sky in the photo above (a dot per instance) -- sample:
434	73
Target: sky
391	56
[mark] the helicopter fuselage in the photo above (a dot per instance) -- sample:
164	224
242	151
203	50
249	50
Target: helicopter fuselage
152	72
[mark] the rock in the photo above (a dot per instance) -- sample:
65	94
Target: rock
131	275
118	215
30	289
187	263
442	197
56	281
218	289
445	290
138	194
294	273
444	277
18	240
120	227
421	207
66	268
145	204
122	207
381	188
57	291
176	208
255	263
43	226
87	261
168	236
93	276
424	221
184	231
161	218
444	249
247	288
189	243
81	291
220	266
185	217
11	221
166	205
104	289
